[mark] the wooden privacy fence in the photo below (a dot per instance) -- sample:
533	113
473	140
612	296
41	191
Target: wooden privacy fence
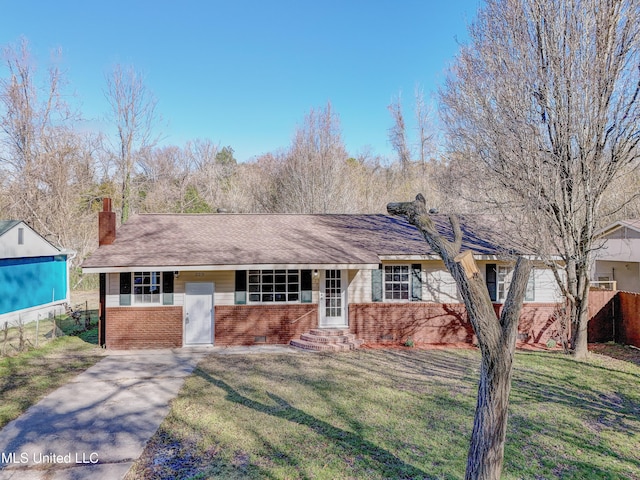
614	317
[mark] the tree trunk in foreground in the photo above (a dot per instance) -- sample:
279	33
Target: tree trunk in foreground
496	336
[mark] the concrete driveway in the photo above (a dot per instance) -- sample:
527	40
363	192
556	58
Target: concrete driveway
97	425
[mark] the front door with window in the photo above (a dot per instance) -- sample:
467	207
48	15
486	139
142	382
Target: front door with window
333	299
198	318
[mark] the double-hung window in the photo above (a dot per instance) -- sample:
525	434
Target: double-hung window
396	282
504	275
146	287
274	285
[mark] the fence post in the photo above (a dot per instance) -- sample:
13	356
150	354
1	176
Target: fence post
6	334
37	329
20	334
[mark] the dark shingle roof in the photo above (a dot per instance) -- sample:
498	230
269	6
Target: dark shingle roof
264	239
6	225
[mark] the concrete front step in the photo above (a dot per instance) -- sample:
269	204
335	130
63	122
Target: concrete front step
326	332
310	337
323	347
321	339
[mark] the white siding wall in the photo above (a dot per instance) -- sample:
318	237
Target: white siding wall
33	246
546	287
359	286
224	285
626	274
438	285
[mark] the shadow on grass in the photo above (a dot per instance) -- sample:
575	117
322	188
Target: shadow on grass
388	465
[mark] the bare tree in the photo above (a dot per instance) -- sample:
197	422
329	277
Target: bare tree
424	127
47	165
310	176
544	103
133	112
496	336
398	133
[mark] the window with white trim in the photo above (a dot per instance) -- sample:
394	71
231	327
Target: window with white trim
504	276
147	287
396	282
267	286
503	281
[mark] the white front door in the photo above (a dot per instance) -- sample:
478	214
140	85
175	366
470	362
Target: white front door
333	299
198	317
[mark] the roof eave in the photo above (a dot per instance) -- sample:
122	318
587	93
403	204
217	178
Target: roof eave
232	267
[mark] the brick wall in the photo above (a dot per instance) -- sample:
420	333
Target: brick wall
441	323
161	327
143	327
423	322
539	323
241	324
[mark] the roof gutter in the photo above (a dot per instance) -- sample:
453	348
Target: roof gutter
219	268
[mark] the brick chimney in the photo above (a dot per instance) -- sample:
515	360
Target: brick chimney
106	224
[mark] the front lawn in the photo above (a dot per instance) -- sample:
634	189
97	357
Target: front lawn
28	376
379	414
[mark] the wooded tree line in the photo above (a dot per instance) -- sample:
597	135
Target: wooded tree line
55	170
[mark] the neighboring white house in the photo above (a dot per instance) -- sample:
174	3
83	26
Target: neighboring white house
34	274
618	258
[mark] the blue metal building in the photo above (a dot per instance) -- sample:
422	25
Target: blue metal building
34	274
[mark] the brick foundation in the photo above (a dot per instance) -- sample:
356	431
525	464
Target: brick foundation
539	323
143	327
423	322
278	324
161	327
441	323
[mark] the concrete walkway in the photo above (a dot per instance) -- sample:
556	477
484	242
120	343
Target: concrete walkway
97	425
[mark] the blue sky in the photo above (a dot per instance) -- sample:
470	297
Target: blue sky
245	73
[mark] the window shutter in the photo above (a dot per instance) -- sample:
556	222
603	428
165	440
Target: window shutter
376	285
416	282
241	287
125	288
492	284
167	288
305	286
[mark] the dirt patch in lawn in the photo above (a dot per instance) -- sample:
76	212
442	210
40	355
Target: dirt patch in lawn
625	353
82	298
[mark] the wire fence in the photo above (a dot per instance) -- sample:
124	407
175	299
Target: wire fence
18	336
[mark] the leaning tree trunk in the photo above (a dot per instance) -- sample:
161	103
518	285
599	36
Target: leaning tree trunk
496	337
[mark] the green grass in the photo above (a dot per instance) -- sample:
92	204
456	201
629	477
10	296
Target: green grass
378	414
37	334
28	376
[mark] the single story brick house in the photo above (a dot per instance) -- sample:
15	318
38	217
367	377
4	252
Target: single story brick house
173	280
